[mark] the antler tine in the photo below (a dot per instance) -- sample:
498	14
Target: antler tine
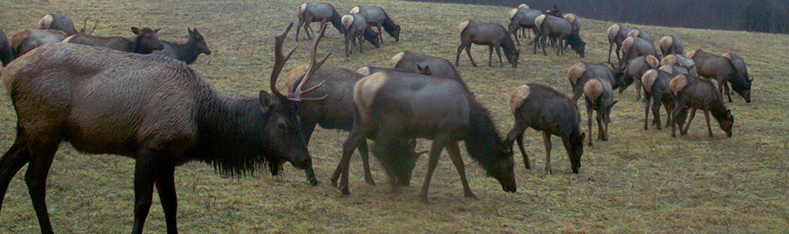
314	65
279	61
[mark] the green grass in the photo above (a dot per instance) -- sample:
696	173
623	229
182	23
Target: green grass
639	181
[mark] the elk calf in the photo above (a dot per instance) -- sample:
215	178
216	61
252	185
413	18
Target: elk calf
544	109
186	52
671	45
317	12
356	28
377	17
552	26
145	42
656	92
599	97
490	34
694	93
25	40
726	69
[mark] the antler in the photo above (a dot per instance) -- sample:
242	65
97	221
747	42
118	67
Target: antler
296	95
280	60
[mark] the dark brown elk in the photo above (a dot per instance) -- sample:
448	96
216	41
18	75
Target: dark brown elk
357	30
616	35
377	17
581	72
317	12
160	112
393	105
680	60
25	40
726	69
599	97
671	45
657	92
635	69
697	94
523	18
544	109
144	42
6	51
57	22
186	52
551	26
490	34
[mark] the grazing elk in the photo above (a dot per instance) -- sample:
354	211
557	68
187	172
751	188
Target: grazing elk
186	52
317	12
725	69
641	34
695	93
377	17
398	158
356	28
6	51
490	34
160	112
581	72
25	40
523	18
657	92
680	60
599	97
671	45
145	41
616	35
633	47
635	69
575	21
545	109
394	105
552	26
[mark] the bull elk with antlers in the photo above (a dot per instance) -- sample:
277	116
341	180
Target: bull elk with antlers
160	112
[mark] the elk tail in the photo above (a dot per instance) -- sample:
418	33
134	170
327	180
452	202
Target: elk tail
612	31
347	20
45	22
462	25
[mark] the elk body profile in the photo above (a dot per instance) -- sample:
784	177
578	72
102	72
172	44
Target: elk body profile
377	17
357	30
697	94
726	69
144	42
406	106
186	52
616	35
656	93
158	111
317	12
490	34
545	109
599	97
551	26
25	40
671	45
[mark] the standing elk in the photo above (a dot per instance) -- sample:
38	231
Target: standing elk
641	34
356	28
635	69
186	52
657	92
490	34
575	21
317	12
523	18
545	109
616	35
581	72
145	41
671	45
552	26
25	40
681	61
6	51
160	112
695	93
377	17
634	47
725	69
599	97
394	105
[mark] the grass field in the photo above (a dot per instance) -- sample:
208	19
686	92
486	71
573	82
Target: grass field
640	181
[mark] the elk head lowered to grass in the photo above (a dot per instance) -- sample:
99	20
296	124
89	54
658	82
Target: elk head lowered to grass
555	27
545	109
377	17
657	92
694	93
599	97
160	112
490	34
317	12
145	41
394	105
726	68
581	72
186	52
356	28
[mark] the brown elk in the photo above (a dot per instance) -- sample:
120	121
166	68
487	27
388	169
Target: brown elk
377	17
680	61
160	112
671	45
25	40
186	52
356	28
726	68
616	35
317	12
490	34
551	26
581	72
523	18
599	97
57	22
145	41
635	69
421	63
6	51
575	21
392	105
657	92
640	34
634	47
694	93
545	109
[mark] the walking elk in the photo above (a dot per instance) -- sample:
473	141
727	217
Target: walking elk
160	112
317	12
726	68
145	41
490	34
186	52
377	17
545	109
694	93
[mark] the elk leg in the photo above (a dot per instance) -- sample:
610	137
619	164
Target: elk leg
727	90
298	28
516	133
690	119
490	56
517	32
355	138
647	99
543	38
498	52
707	118
165	186
460	50
145	170
546	140
307	129
656	112
638	88
360	40
364	152
380	34
468	52
40	159
435	151
14	159
600	132
523	152
610	47
454	154
589	119
618	49
348	38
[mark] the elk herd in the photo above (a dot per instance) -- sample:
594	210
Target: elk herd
163	113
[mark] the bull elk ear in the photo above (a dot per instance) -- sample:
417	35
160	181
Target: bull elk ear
266	101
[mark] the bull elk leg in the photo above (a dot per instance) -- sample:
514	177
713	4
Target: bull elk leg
454	154
153	168
435	152
546	140
14	159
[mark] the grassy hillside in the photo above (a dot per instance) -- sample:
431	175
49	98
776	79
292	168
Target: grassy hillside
638	181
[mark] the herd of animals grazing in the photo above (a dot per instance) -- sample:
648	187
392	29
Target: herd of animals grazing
102	101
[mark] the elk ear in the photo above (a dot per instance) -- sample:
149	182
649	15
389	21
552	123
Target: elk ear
424	70
188	29
583	136
136	30
157	30
266	102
